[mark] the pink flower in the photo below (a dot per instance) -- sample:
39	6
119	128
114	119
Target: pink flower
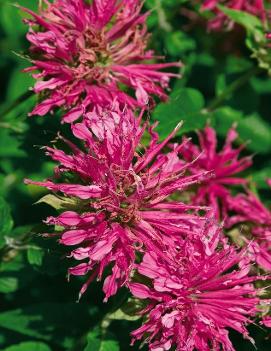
266	321
119	194
221	21
83	52
224	165
194	301
247	208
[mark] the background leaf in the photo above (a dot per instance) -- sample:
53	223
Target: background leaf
184	105
6	221
97	341
29	346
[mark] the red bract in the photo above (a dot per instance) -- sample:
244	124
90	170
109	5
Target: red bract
83	51
224	166
221	21
194	301
250	210
120	197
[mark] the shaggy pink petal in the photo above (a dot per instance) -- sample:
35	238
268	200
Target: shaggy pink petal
223	167
81	191
247	208
194	301
266	322
120	195
82	53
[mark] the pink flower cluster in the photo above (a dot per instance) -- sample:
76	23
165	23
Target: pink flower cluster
221	21
135	209
123	196
81	54
194	300
224	165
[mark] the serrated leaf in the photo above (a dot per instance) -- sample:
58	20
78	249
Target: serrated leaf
184	104
8	284
28	346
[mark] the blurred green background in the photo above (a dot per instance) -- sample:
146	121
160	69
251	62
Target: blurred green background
221	84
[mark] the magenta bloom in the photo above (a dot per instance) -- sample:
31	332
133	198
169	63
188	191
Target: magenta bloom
221	21
248	209
224	166
83	52
119	195
266	321
194	301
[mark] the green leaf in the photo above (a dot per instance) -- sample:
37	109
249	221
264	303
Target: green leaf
223	119
178	43
58	202
8	284
9	145
29	346
256	39
48	321
35	256
19	82
96	341
184	104
257	131
245	19
6	222
260	177
251	128
121	315
9	15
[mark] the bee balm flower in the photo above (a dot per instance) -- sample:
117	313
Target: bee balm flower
194	301
224	166
83	52
248	209
120	197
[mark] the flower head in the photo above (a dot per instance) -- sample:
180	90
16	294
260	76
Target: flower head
119	195
221	21
194	301
248	209
224	166
83	52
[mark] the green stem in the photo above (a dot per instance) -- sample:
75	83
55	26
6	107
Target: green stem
233	87
163	23
25	96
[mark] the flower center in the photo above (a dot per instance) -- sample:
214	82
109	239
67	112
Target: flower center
93	58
